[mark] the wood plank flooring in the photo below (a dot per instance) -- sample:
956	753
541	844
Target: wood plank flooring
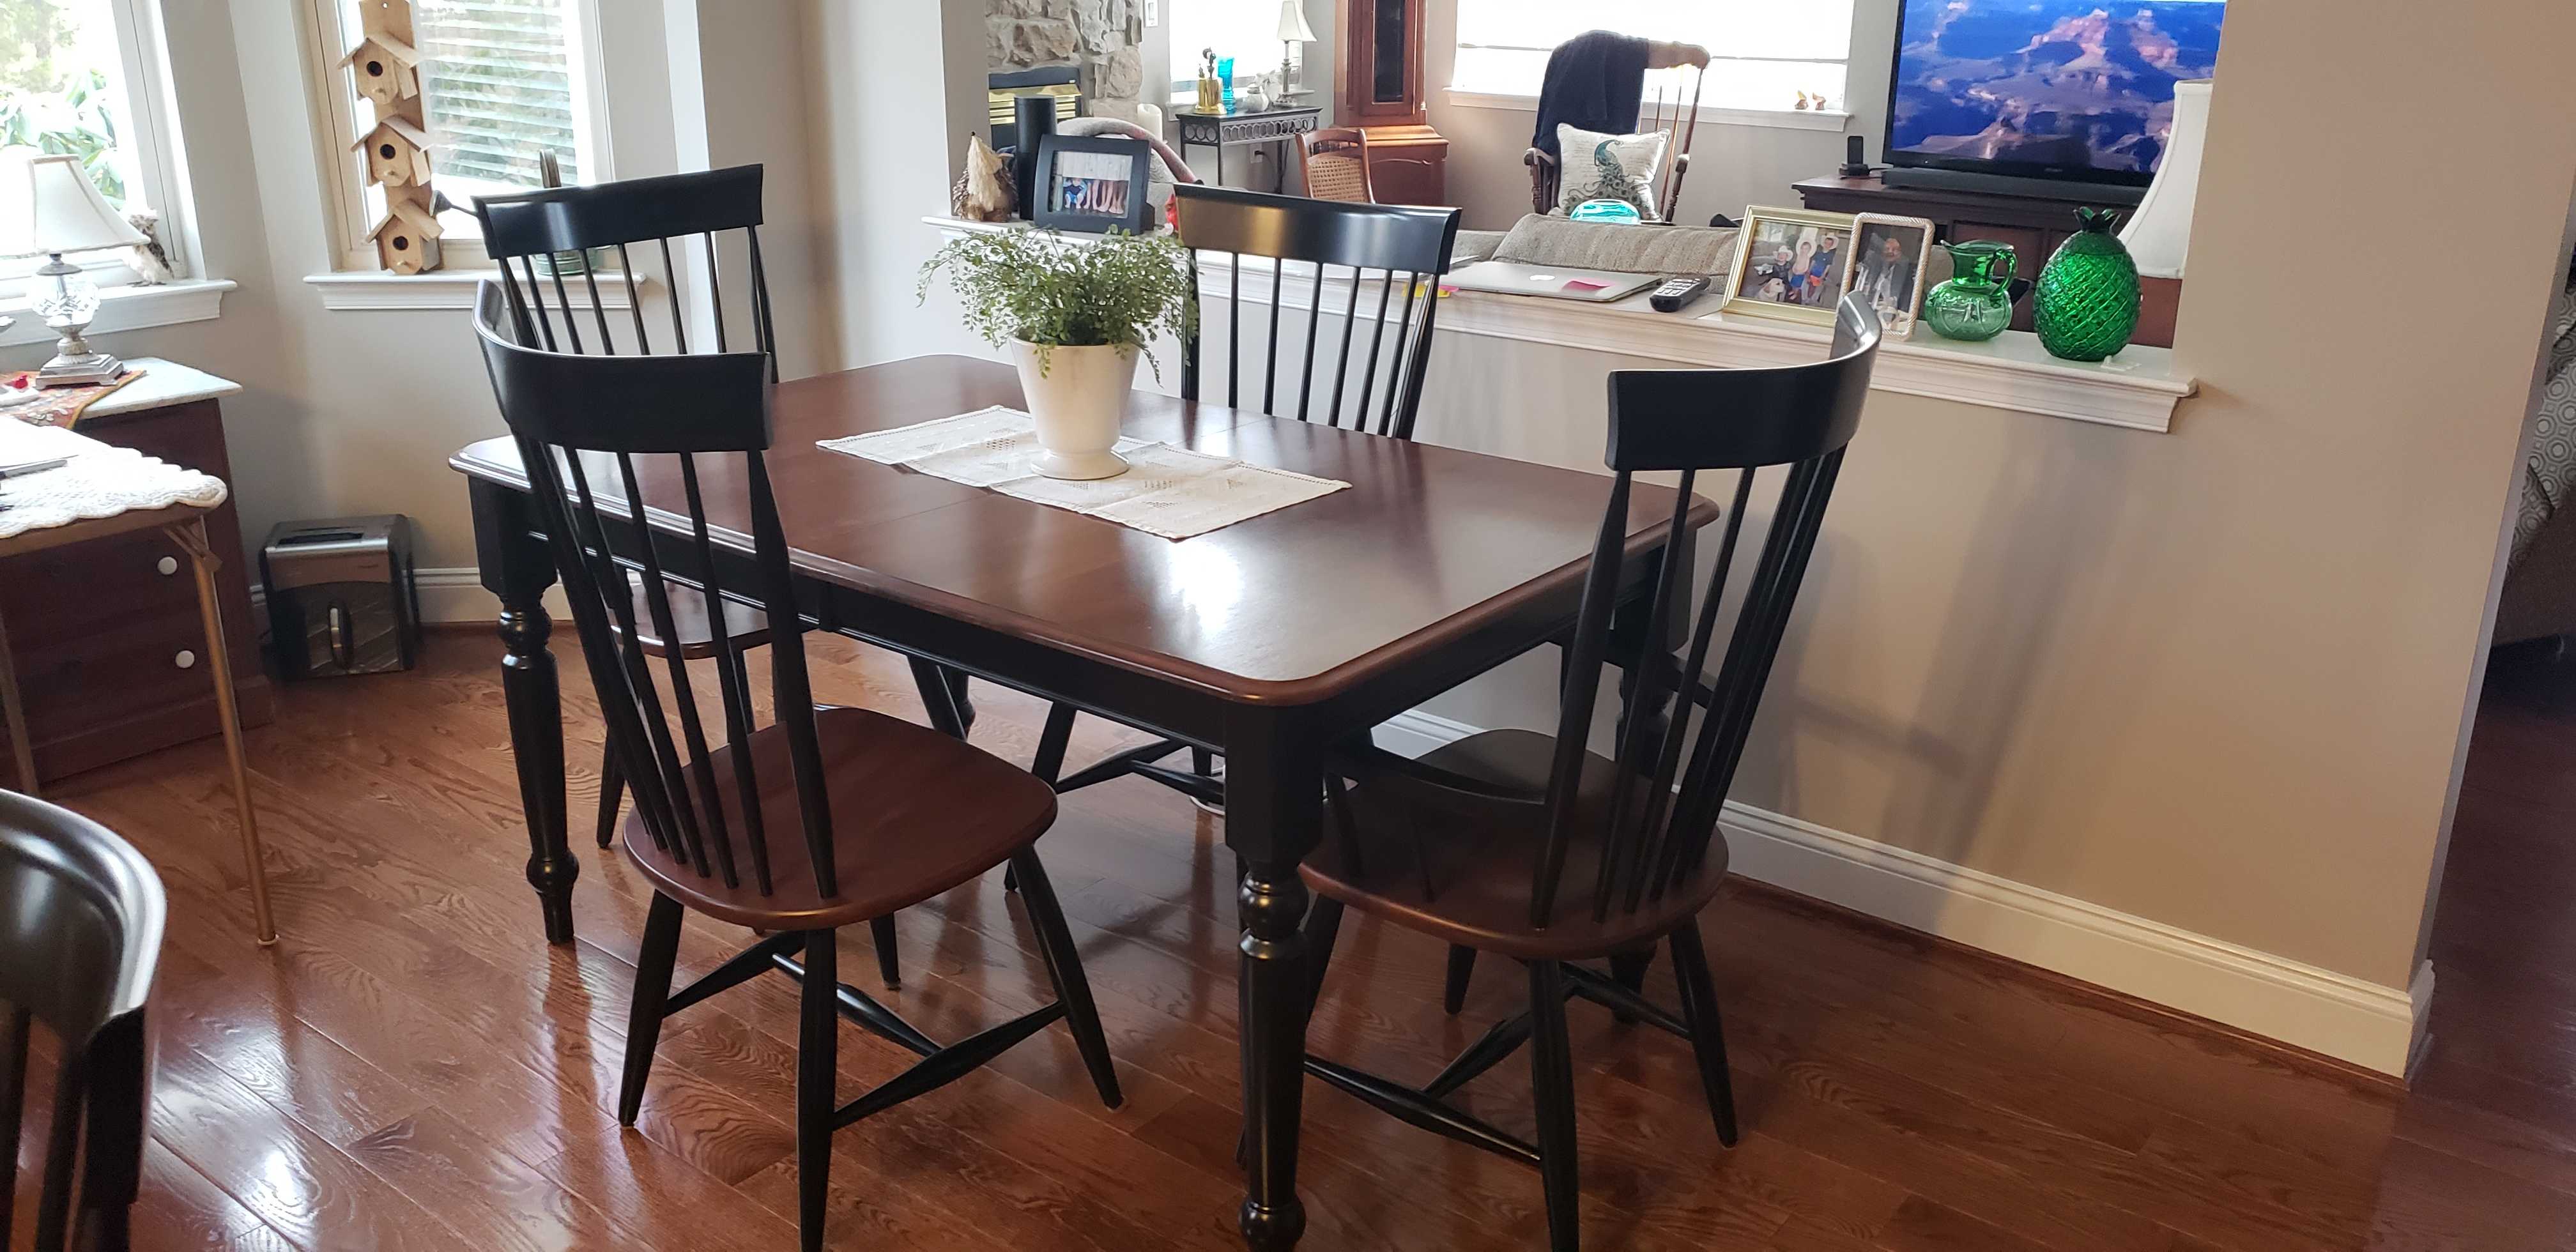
411	1067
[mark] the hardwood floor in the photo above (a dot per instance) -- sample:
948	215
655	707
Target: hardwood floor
411	1067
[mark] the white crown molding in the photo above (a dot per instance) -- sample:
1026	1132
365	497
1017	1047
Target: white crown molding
2138	389
2353	1020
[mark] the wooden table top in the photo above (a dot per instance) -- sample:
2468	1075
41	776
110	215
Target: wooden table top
1289	607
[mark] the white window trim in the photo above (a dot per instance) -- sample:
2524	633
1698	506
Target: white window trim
1835	120
160	162
338	112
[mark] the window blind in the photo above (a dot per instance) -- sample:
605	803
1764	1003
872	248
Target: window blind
498	78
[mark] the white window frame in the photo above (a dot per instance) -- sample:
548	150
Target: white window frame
152	141
1674	82
339	113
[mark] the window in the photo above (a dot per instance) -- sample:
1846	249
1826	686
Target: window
1247	30
85	77
501	81
1762	53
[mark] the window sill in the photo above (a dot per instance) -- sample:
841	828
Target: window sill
2138	389
125	308
1832	120
439	289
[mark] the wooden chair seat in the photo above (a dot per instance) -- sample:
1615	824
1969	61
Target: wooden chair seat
691	621
921	811
1462	873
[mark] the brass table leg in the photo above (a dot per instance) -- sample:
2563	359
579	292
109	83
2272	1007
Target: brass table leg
13	717
201	556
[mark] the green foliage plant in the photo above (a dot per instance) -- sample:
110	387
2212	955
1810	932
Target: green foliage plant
1043	288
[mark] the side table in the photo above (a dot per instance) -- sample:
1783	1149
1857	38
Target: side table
183	525
1229	130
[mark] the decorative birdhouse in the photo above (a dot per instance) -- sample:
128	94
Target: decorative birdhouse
386	70
407	238
397	153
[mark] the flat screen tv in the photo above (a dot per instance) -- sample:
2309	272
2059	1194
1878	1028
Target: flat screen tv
2080	90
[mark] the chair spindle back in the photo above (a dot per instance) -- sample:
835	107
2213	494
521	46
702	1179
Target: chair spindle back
1680	735
1405	247
713	216
583	423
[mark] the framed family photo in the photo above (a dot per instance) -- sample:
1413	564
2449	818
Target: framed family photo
1790	264
1094	185
1887	267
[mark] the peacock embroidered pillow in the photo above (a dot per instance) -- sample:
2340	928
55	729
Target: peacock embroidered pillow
1595	166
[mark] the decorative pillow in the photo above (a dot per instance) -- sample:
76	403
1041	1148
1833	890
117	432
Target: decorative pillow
1596	166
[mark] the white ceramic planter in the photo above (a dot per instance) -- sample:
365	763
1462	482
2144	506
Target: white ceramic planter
1077	403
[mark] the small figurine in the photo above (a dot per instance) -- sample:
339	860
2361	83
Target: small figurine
150	261
984	192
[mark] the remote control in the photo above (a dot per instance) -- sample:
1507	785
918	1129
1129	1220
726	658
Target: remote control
1677	293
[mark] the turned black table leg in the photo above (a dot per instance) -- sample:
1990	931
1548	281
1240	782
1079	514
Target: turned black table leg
517	567
1274	804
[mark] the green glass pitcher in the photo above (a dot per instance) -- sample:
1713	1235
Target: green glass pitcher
1977	301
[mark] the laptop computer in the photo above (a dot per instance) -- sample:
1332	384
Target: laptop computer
1555	282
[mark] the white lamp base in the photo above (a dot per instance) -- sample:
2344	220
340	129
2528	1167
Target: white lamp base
80	371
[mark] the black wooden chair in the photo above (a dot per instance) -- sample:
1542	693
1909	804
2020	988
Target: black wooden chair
78	944
1535	847
1390	256
878	813
548	234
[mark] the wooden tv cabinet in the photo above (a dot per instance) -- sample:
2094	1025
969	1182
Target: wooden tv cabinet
2033	225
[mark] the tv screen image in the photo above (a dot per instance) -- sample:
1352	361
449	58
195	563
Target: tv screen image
2077	89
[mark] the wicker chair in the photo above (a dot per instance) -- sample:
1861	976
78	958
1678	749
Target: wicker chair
1335	163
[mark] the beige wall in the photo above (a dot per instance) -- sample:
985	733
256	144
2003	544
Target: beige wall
2216	678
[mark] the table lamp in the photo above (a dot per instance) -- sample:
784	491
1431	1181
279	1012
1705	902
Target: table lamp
48	207
1293	30
2159	233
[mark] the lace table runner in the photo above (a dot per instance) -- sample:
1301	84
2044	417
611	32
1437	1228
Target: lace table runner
1167	491
100	480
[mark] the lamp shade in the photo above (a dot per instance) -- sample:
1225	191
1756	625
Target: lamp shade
2159	233
48	204
1292	23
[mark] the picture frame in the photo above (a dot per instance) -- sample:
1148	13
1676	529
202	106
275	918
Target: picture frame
1895	282
1790	265
1092	185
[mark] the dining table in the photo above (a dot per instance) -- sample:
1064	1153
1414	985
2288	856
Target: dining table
1271	640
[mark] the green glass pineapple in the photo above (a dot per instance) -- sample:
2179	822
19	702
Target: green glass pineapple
2086	305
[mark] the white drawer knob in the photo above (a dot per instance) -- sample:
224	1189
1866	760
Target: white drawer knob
185	660
167	565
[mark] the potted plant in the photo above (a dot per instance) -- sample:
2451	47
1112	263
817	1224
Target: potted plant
1075	316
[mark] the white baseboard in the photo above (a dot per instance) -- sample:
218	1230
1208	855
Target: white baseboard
2370	1025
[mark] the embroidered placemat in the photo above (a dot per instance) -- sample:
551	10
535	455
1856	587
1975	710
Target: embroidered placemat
97	480
1167	491
53	406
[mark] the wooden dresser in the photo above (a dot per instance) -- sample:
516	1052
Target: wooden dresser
105	634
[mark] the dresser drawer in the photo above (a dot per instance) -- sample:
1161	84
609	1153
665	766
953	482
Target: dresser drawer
121	671
64	594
